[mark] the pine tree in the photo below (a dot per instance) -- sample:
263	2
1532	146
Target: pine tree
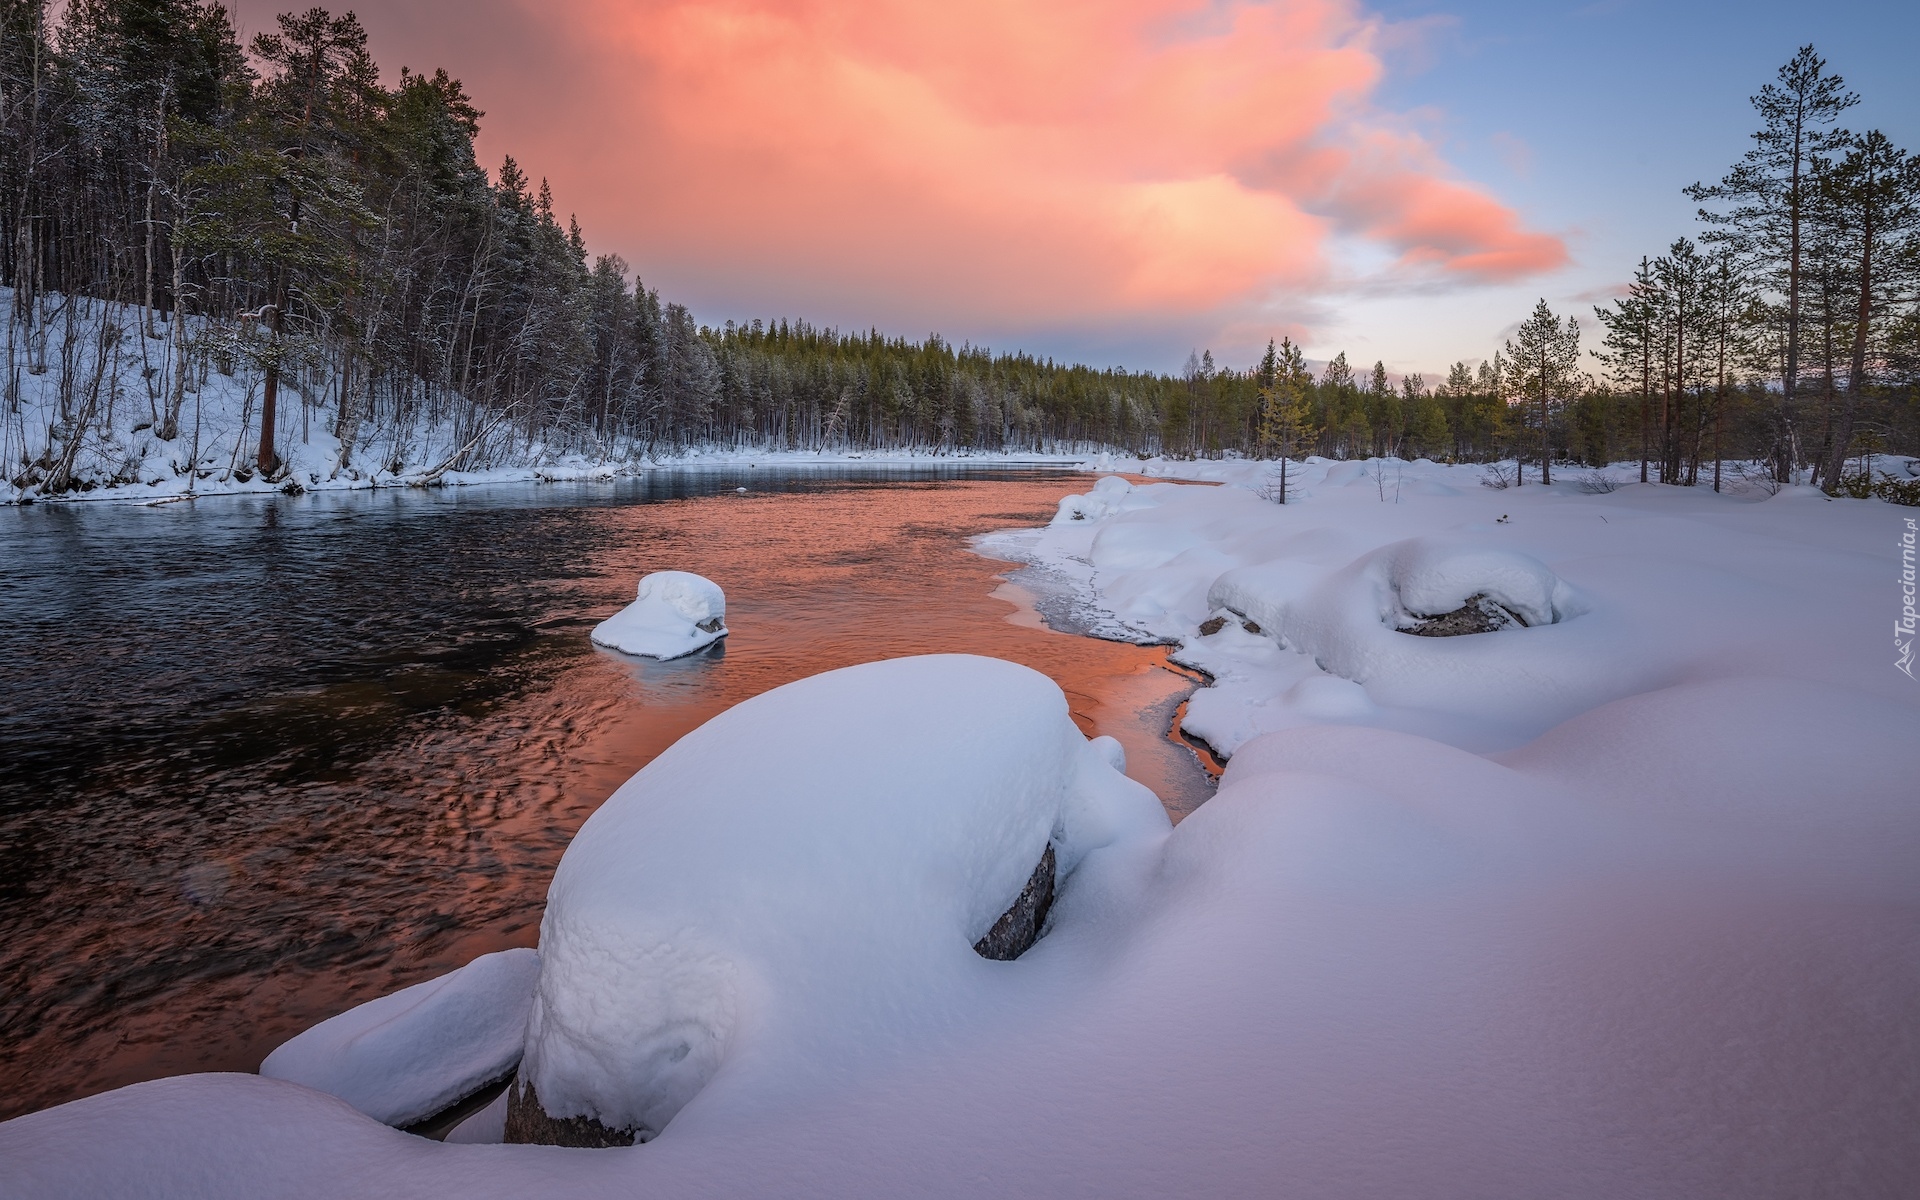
1771	194
1631	336
1734	312
1681	274
1870	201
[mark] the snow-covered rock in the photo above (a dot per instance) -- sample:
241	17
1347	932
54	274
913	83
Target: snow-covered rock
1431	576
673	614
406	1056
1110	495
764	882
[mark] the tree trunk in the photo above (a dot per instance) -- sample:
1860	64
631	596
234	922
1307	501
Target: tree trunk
1546	443
153	186
1719	405
267	461
1646	396
1789	383
346	420
1856	364
176	397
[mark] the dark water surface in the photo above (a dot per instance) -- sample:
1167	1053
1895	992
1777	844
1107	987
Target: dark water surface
264	759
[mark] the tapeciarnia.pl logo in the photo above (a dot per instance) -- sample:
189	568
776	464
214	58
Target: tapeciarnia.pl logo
1903	628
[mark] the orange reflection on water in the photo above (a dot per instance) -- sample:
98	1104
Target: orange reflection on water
825	580
314	890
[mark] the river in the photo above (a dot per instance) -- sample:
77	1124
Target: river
267	758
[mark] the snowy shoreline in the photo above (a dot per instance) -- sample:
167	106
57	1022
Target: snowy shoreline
568	469
90	430
1615	897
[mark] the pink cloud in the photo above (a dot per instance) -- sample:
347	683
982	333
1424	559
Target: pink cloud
994	165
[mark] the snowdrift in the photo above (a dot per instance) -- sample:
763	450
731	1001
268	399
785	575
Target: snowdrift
404	1057
1591	597
1616	900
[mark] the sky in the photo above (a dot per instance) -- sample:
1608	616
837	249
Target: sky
1125	182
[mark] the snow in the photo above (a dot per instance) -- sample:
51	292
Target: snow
752	891
1621	591
1429	577
488	1127
120	455
1620	902
674	613
406	1056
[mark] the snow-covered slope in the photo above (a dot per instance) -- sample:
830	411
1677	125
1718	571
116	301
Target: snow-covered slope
1617	902
89	426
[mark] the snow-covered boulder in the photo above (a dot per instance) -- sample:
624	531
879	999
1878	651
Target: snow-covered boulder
1353	622
1431	577
1403	584
404	1057
1110	495
799	866
674	613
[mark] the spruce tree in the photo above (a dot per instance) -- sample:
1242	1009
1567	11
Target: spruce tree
1543	372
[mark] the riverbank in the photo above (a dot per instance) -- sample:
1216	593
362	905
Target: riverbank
1613	896
304	473
107	402
283	754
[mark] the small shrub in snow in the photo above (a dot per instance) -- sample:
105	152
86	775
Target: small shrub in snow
1865	484
1498	476
1756	476
1277	486
1598	483
1899	491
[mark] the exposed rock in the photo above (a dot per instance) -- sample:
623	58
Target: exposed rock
1250	627
529	1125
1480	614
1212	625
1019	927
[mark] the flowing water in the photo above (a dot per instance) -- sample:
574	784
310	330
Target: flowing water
264	759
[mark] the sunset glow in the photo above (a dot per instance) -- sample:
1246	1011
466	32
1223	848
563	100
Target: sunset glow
1001	165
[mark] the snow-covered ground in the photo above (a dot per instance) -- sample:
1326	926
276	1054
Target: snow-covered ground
1618	899
1621	591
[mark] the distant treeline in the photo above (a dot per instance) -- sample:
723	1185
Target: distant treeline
332	234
